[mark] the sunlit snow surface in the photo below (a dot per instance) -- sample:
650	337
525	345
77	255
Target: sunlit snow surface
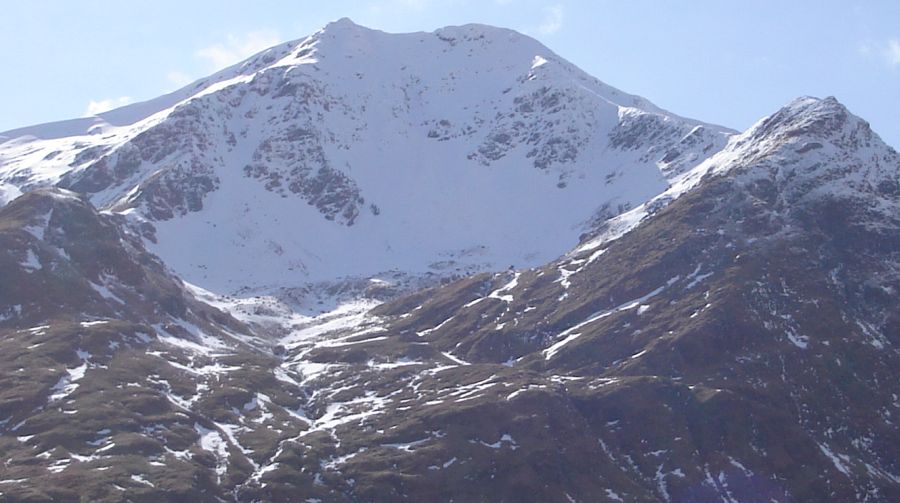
441	133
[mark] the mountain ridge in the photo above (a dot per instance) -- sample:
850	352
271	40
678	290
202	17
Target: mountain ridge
729	334
134	112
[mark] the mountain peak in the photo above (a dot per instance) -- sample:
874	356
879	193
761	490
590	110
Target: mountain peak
342	25
815	149
811	117
814	102
814	109
806	124
344	22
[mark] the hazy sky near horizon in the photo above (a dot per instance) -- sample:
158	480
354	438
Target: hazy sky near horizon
729	63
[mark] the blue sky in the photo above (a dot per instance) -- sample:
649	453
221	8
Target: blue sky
725	62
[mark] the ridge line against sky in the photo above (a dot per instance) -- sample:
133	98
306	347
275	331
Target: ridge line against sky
718	62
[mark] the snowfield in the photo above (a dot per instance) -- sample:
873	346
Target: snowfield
356	154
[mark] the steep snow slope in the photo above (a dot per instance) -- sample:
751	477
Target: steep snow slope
354	153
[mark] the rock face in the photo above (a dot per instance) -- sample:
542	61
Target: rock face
354	154
730	334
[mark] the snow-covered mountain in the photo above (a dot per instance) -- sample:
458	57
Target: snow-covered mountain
354	154
733	339
693	314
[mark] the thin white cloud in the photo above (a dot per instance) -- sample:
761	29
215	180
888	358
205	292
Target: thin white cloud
553	20
892	52
237	48
887	52
98	107
179	79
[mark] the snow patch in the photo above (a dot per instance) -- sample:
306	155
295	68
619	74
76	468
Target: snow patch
211	440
